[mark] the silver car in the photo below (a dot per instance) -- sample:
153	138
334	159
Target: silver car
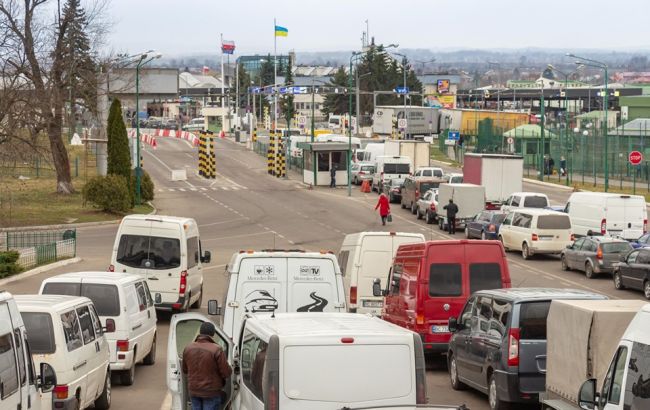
427	206
361	171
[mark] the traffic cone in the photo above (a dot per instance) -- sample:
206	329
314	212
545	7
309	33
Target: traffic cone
365	186
222	134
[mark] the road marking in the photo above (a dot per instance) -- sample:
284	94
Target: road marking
204	189
223	222
239	236
225	188
165	165
181	189
167	403
234	188
171	189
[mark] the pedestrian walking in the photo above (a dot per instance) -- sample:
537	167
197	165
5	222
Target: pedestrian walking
563	170
333	176
207	368
384	208
546	165
452	210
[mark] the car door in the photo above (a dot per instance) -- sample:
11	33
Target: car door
627	267
11	394
460	341
183	329
194	267
572	255
639	270
424	201
252	360
506	228
477	346
101	347
141	331
151	319
95	367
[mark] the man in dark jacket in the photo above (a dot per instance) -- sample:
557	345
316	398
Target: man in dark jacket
452	210
333	176
207	368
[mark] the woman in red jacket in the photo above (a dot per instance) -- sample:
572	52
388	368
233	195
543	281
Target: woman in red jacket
384	208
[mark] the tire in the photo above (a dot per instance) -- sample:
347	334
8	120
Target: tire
150	358
103	402
618	281
418	214
413	208
646	289
505	248
197	304
429	218
127	377
403	205
565	266
493	398
467	232
525	252
453	374
483	237
589	271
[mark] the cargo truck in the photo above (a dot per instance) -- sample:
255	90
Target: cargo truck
418	151
469	198
501	175
421	121
582	338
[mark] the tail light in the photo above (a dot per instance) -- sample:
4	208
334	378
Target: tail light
417	193
599	253
492	228
362	173
645	226
111	268
433	207
534	237
60	392
573	237
183	285
271	377
603	227
353	295
513	347
420	371
122	345
419	319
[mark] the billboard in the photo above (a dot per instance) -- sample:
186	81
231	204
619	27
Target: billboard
443	86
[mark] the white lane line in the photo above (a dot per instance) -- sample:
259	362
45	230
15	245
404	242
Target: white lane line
165	165
238	236
204	189
167	403
181	189
171	189
234	188
222	222
225	188
228	179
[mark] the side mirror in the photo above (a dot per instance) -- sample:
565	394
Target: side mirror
569	246
110	326
622	258
47	378
207	257
213	308
587	395
453	325
376	288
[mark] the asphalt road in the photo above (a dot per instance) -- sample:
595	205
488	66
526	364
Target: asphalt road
244	208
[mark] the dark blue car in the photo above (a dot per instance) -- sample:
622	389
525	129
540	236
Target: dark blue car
485	225
642	242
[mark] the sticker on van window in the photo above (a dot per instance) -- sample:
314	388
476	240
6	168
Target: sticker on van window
308	273
268	270
318	305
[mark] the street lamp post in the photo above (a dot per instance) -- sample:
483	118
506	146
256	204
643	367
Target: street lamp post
542	148
355	55
599	64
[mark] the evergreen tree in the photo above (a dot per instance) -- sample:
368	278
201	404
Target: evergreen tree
338	103
244	83
286	101
267	73
119	156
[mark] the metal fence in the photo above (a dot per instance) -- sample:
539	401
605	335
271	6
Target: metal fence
40	247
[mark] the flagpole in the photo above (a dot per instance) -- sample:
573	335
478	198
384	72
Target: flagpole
275	75
223	91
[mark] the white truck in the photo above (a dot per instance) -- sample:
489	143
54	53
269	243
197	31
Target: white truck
469	198
418	151
501	175
582	338
421	121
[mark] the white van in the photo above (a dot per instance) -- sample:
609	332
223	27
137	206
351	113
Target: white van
389	167
373	150
21	389
525	200
167	251
365	256
616	215
534	231
66	331
281	281
124	302
626	385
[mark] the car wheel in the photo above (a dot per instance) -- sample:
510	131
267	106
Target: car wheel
429	218
127	377
646	289
505	248
150	358
456	384
493	397
418	214
197	304
618	281
565	266
403	205
589	271
525	253
466	232
413	208
103	402
483	237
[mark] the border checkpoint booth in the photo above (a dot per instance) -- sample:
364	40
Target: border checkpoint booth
319	157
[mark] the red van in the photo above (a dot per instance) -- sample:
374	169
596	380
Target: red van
430	282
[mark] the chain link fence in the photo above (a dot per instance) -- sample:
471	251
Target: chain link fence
40	247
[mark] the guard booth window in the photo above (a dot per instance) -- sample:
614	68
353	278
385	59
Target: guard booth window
323	161
340	159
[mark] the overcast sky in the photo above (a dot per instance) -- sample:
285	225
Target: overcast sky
176	27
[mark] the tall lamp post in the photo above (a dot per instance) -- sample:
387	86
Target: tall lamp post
405	93
542	167
142	60
599	64
355	55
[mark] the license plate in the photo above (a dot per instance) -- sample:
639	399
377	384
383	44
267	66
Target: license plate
439	329
373	303
545	238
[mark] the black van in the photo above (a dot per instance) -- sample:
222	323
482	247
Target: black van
498	343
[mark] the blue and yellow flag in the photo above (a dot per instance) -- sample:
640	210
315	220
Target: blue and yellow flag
281	31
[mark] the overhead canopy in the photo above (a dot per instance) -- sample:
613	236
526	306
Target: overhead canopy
529	131
324	146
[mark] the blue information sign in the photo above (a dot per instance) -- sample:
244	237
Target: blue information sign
453	135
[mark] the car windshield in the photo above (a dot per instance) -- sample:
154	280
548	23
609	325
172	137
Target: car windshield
554	222
535	202
149	252
616	247
397	168
39	332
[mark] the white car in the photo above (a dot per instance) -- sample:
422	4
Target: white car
195	124
525	200
427	206
536	231
66	332
429	172
361	171
122	300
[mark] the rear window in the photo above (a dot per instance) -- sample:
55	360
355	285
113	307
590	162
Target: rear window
40	332
484	276
370	169
498	218
616	247
397	169
149	252
105	298
396	182
445	279
67	289
535	202
553	222
425	186
532	320
338	368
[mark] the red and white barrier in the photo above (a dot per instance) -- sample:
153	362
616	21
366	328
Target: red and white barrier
144	137
185	135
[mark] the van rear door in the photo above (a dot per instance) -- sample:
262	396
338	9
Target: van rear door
312	286
532	346
636	216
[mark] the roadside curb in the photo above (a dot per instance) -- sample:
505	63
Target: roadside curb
39	270
548	184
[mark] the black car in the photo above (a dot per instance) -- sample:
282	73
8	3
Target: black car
594	254
393	189
633	271
498	343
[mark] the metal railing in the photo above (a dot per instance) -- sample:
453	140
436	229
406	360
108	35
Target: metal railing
40	247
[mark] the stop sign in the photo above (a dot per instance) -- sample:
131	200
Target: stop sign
635	157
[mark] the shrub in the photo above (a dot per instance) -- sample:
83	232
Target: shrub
109	193
8	264
146	186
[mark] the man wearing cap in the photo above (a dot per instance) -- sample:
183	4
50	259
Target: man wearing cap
207	368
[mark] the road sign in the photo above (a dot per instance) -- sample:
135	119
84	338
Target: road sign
635	157
402	123
401	90
511	140
453	135
302	121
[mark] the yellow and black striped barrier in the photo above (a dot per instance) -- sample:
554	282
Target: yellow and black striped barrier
207	160
280	164
254	138
270	153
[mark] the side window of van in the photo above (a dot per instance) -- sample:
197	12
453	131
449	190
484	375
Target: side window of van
8	366
614	379
445	279
253	360
86	324
500	316
192	252
515	201
147	294
71	330
484	313
396	278
97	325
343	261
21	356
508	220
132	304
142	297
